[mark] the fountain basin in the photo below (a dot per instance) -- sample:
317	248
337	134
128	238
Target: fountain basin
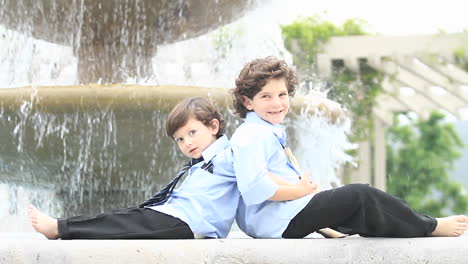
91	144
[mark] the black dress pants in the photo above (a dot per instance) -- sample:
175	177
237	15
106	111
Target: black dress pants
360	209
128	223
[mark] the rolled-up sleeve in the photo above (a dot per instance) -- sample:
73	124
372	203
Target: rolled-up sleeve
250	157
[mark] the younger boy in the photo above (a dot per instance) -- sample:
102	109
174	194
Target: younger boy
275	203
203	206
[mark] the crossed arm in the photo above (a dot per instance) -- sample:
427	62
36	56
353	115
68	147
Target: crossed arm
290	191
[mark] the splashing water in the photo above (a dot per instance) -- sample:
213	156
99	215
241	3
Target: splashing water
26	61
15	200
321	146
221	54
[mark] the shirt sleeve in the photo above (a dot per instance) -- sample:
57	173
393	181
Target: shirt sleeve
251	152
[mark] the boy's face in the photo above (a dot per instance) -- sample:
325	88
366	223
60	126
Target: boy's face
194	137
271	103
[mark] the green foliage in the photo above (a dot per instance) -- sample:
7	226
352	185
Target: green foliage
461	58
418	159
356	92
305	37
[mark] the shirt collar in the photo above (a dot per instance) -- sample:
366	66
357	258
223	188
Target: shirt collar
278	130
220	144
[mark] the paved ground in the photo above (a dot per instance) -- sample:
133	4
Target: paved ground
33	248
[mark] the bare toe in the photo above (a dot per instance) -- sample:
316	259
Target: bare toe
43	223
451	226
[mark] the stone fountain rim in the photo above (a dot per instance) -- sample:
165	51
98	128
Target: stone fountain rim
136	96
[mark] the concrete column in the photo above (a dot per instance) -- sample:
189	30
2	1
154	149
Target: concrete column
380	157
363	172
324	65
352	63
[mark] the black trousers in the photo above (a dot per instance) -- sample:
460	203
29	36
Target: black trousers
128	223
360	209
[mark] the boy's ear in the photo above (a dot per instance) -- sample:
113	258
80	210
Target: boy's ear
214	124
247	102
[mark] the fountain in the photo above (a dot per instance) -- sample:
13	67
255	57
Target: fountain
115	40
86	148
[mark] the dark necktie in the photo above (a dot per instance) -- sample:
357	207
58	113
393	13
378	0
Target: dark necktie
163	195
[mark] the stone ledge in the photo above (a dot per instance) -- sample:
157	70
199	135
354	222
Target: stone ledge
24	249
141	97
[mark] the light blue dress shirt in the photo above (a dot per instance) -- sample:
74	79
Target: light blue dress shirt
207	202
257	147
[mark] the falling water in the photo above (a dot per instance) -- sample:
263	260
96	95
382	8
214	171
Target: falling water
75	160
27	61
320	146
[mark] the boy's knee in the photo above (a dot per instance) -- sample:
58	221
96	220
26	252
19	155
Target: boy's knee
358	187
357	191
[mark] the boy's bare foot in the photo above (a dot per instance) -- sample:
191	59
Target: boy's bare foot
451	226
43	223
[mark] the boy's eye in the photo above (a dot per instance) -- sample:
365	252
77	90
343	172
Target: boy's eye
179	140
192	132
283	94
265	96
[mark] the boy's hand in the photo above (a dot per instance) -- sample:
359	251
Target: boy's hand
287	192
309	186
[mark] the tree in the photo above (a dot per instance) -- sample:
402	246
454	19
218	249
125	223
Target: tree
419	157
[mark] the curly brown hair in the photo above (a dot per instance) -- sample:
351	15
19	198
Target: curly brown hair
197	107
254	76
